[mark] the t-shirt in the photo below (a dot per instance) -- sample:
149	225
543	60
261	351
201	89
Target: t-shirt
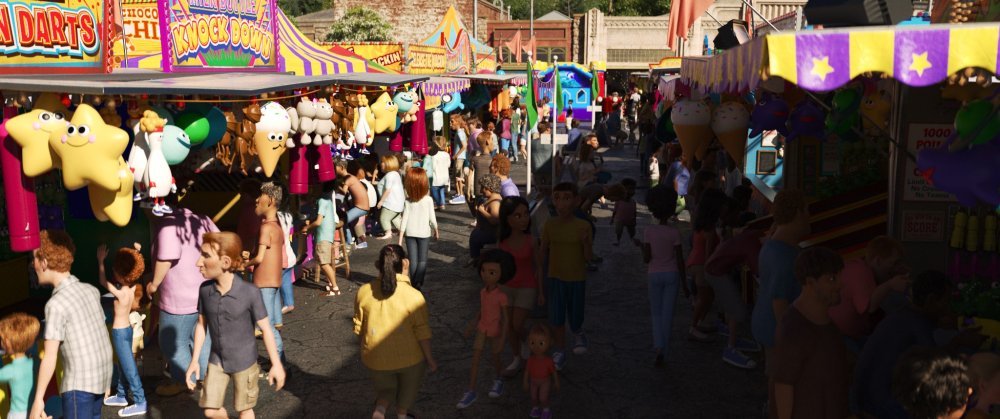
566	239
777	281
491	305
442	162
178	241
813	359
894	335
741	249
681	175
393	183
515	122
625	212
19	374
268	273
663	241
505	129
509	188
370	190
324	232
857	286
419	219
524	263
481	164
540	367
230	319
462	141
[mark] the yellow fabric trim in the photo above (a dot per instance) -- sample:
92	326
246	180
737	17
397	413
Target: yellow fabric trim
781	57
872	51
972	47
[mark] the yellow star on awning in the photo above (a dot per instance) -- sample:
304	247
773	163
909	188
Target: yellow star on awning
821	68
920	63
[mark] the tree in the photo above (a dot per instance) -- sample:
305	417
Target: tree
294	8
360	24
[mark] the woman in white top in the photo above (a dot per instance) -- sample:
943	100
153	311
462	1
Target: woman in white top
418	223
390	188
441	164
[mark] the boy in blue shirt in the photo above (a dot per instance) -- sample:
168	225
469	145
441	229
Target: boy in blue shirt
18	332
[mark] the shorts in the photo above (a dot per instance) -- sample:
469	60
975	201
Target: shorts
456	168
566	300
399	387
525	298
245	388
324	252
727	296
496	342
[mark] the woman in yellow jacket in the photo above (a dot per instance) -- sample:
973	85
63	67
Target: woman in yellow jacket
390	318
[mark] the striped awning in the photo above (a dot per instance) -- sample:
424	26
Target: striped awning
304	57
438	86
827	59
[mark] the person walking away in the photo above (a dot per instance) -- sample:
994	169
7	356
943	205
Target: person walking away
228	310
439	176
390	205
18	332
487	218
359	205
419	221
391	322
127	270
524	291
268	257
74	330
325	225
663	253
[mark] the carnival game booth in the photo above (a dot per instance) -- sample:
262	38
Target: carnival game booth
580	86
892	130
464	54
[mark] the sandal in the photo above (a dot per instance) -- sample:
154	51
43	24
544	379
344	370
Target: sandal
332	292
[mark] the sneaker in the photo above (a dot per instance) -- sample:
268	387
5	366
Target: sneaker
698	336
458	199
170	389
513	368
362	245
559	359
497	389
133	410
546	413
747	345
536	412
467	399
115	401
385	236
737	359
580	345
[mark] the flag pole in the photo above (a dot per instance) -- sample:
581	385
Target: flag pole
555	116
526	122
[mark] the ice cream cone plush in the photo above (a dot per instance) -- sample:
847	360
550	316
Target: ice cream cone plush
692	123
730	122
270	135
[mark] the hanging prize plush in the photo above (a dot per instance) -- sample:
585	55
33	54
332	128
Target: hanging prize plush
323	123
384	111
157	179
109	112
977	123
452	102
270	134
845	114
770	114
32	131
138	155
808	120
176	145
224	149
364	121
730	122
970	174
692	122
301	118
875	108
406	103
343	122
245	142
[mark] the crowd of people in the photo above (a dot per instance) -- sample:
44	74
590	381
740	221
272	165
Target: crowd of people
838	337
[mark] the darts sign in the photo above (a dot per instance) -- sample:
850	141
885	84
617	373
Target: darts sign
54	36
206	35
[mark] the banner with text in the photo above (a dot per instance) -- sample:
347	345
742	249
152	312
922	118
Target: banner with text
220	35
427	59
388	55
139	35
66	36
923	136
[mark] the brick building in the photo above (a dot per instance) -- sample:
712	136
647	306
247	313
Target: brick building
413	20
553	36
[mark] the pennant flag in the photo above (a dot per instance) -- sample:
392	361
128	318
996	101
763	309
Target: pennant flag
514	45
595	86
556	94
529	98
530	46
683	13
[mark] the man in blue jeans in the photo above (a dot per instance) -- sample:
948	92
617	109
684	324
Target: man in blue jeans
74	329
359	196
176	281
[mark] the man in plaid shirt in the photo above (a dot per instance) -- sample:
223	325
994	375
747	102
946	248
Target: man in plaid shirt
74	328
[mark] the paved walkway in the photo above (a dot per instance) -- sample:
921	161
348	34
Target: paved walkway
615	379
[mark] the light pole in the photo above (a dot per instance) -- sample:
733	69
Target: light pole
531	21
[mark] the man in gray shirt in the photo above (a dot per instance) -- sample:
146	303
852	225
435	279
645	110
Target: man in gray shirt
230	307
75	329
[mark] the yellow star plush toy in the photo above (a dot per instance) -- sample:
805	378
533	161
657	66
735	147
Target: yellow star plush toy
90	151
116	205
33	130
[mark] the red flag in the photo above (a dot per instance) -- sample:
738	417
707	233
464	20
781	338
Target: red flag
514	46
682	15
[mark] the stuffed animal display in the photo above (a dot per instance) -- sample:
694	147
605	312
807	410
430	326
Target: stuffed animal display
269	135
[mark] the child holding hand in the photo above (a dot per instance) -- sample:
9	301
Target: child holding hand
18	332
128	268
540	373
495	267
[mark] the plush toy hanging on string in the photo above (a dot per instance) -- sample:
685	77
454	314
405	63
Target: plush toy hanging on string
343	124
157	179
364	121
692	122
301	117
138	155
970	173
807	120
406	103
308	117
845	115
770	114
384	110
977	122
452	102
730	122
875	109
269	136
224	149
245	145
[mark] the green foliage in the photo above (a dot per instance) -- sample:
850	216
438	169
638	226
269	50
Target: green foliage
520	9
360	24
301	7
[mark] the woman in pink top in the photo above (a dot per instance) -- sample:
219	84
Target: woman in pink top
505	134
661	250
524	291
